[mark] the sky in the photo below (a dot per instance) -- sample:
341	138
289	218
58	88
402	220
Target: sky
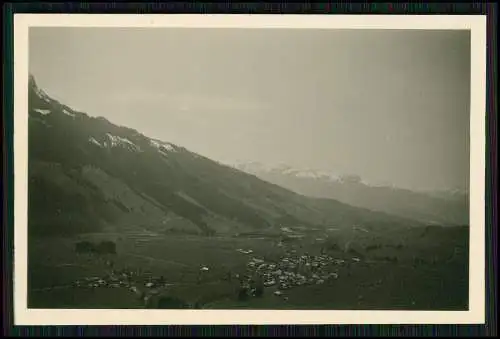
390	106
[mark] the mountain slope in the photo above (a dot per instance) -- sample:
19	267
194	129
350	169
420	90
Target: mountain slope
87	174
434	207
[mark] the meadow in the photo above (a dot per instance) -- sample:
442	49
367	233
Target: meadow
421	269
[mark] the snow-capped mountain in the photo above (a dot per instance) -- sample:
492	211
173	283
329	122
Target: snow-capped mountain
257	167
448	207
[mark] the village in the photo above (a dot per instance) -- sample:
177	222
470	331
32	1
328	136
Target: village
290	271
261	275
143	284
278	277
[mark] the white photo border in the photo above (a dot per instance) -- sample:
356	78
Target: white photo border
476	313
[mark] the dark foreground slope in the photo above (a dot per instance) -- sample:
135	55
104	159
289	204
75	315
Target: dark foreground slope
87	174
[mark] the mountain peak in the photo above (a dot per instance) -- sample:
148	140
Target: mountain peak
282	168
32	80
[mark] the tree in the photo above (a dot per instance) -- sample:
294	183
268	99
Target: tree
334	246
107	247
84	247
242	294
259	289
161	280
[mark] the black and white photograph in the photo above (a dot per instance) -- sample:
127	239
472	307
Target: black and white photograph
250	168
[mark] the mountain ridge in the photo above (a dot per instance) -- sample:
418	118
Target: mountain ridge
436	207
330	175
98	175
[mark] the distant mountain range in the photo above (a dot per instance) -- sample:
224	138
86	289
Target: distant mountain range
87	174
433	207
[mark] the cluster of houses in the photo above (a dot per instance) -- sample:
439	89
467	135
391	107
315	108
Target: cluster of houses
142	284
293	270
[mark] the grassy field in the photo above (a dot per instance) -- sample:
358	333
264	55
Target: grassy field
420	269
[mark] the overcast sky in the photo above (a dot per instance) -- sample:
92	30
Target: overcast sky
390	106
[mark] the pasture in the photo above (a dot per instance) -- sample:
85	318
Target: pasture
424	272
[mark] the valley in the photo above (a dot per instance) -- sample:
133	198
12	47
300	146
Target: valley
120	220
429	273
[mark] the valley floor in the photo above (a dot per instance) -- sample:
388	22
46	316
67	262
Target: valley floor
209	272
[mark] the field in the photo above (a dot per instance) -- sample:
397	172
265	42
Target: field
421	269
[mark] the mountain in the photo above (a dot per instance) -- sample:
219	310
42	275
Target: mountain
449	195
87	174
440	207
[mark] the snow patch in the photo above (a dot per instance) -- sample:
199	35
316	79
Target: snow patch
163	147
95	142
258	168
289	171
43	111
119	141
307	174
41	94
314	174
71	114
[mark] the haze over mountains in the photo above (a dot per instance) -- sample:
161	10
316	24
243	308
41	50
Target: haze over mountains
439	207
87	174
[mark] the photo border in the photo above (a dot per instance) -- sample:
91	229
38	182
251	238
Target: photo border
8	109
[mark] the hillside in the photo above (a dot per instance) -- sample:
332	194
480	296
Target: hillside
442	208
87	174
